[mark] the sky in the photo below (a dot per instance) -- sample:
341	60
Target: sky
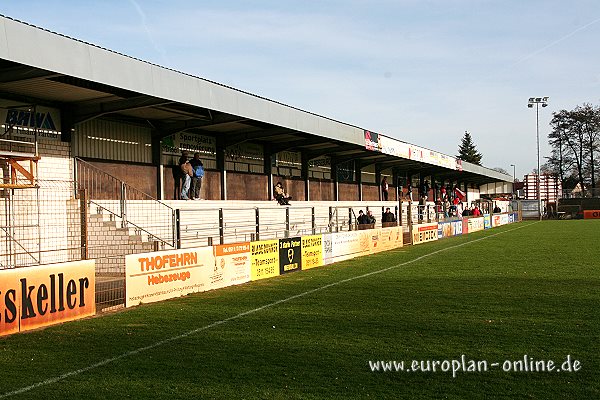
421	71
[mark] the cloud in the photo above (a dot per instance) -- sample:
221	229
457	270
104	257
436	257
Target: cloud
148	31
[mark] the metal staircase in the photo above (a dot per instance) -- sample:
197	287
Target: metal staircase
125	204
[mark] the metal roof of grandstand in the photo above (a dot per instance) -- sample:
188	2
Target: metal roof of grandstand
45	68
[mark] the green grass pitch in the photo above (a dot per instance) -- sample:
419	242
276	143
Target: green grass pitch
523	289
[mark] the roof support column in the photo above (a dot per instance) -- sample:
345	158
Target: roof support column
358	167
156	161
397	184
268	169
304	160
66	124
334	176
378	181
220	147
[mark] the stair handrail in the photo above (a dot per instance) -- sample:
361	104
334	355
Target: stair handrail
88	176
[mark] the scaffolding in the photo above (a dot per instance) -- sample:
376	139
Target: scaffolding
19	191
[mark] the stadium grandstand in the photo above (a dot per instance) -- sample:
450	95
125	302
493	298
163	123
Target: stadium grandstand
90	145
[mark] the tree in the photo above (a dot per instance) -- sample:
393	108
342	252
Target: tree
591	131
467	150
575	141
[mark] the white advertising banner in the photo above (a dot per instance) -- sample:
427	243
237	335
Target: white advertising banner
347	245
162	275
476	224
390	238
232	265
499	220
327	245
394	147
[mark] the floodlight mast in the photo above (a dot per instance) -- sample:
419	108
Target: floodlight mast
514	180
543	101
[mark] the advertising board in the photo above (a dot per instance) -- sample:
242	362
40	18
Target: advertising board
591	214
161	275
424	233
487	221
499	220
475	224
44	295
312	251
232	265
264	259
390	238
327	248
290	255
347	245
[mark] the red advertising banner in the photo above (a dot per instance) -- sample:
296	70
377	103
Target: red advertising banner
591	214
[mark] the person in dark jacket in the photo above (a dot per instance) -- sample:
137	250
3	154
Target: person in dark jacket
370	217
388	216
198	169
362	218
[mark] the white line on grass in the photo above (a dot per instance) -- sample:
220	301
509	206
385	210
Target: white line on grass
186	334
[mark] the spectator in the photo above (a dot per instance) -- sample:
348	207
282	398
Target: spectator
198	168
476	212
370	217
385	188
388	216
280	195
188	172
446	208
497	209
178	176
362	218
425	190
409	193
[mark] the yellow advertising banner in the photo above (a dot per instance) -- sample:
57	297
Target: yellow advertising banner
232	265
162	275
312	251
44	295
264	259
424	233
